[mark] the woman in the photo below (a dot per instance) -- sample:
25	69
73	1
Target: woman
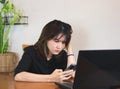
48	58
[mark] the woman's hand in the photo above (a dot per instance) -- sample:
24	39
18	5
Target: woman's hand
71	58
58	75
69	49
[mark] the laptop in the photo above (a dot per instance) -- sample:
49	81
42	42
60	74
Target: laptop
96	69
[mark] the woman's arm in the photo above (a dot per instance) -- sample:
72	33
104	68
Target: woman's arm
71	58
31	77
57	75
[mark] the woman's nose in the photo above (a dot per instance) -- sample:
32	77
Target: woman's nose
59	45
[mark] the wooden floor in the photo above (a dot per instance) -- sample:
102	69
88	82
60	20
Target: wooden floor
6	81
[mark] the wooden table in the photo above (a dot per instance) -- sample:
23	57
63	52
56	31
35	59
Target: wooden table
7	82
35	85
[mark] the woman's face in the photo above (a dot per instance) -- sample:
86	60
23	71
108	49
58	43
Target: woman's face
56	45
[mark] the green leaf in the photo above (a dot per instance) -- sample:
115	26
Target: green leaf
7	9
5	46
2	1
1	33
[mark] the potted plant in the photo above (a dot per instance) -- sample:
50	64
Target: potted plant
8	16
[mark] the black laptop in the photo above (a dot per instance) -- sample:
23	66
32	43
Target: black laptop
96	69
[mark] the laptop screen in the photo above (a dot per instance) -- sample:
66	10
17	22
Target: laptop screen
97	69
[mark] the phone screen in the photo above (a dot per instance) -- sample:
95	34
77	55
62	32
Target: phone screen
72	66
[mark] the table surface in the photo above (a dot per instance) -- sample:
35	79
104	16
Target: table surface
7	82
35	85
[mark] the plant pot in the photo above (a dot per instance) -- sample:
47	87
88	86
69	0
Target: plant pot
8	62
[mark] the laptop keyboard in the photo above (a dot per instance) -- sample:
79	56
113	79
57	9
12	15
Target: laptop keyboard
68	84
65	85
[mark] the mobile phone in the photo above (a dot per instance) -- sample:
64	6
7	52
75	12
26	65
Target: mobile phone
72	66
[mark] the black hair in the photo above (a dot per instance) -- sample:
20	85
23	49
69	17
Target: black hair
51	30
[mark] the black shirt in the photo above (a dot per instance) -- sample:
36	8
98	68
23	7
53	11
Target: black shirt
34	63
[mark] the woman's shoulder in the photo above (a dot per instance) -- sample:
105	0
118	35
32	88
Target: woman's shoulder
29	48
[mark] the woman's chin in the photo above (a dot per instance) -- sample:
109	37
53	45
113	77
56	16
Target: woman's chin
55	53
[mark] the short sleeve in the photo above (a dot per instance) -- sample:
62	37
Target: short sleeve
25	62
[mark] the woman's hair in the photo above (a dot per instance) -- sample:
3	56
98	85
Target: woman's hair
51	30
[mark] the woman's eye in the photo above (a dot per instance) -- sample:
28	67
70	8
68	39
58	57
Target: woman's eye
56	40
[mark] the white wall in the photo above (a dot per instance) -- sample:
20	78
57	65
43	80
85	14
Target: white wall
96	23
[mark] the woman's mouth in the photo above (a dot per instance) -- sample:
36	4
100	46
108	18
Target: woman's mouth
57	51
